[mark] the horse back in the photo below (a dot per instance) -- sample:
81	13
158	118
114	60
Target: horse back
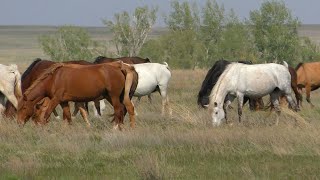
308	73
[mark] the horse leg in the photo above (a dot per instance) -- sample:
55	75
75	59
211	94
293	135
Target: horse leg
83	113
66	111
297	95
97	108
118	112
56	115
308	90
229	99
291	102
165	100
274	97
240	105
76	109
51	106
130	108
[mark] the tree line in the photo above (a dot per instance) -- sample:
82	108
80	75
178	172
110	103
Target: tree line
196	36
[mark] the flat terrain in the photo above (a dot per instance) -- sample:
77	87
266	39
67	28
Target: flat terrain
181	146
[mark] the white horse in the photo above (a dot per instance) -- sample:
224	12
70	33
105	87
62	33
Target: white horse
153	77
239	80
10	84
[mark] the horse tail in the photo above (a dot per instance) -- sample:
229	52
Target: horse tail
286	64
166	64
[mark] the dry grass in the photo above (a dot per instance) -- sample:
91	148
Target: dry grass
181	146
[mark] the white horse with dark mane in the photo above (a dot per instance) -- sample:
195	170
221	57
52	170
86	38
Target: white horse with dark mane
10	84
254	81
153	77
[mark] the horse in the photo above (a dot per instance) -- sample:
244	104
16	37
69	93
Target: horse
211	79
128	60
153	77
81	83
35	69
10	84
255	81
308	78
294	86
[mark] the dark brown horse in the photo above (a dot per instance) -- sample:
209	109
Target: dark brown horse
36	68
62	83
294	86
308	77
128	60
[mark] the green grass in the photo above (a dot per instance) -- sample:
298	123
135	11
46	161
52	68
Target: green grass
184	146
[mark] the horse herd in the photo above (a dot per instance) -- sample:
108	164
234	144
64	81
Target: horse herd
46	84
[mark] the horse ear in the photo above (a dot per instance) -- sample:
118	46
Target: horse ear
215	104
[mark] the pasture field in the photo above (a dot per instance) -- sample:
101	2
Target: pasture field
181	146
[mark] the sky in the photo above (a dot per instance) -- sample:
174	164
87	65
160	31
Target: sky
91	12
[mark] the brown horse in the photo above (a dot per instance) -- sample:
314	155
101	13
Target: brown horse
308	77
36	68
81	83
294	86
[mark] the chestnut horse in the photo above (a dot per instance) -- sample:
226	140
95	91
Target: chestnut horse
81	83
34	70
308	77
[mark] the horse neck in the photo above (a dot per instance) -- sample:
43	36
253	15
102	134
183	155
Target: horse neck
221	88
219	95
37	92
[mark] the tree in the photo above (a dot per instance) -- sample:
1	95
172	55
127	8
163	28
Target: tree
183	17
131	32
236	42
275	31
68	43
212	27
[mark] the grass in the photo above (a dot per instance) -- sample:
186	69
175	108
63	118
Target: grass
183	146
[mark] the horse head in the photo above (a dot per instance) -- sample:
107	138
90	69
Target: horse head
217	114
24	110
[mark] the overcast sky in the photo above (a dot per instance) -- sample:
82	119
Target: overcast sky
90	12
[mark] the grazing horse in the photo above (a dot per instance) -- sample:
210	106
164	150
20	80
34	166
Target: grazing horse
255	81
308	75
10	84
35	69
154	77
81	83
211	79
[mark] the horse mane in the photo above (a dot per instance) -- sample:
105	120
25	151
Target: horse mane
211	78
298	66
99	59
27	72
44	75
